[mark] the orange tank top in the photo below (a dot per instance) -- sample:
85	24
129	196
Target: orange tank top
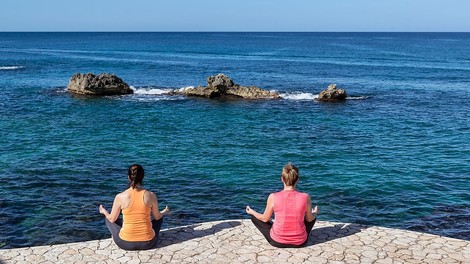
136	225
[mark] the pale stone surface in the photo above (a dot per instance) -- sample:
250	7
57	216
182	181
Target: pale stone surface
238	241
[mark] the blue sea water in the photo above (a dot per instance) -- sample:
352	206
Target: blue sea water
395	154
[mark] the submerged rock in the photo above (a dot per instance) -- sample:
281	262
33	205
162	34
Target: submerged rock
102	84
221	85
332	94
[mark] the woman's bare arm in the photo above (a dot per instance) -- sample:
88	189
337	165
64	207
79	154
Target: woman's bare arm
310	214
268	211
154	204
115	211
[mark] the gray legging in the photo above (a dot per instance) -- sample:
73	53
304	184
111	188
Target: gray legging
115	228
265	229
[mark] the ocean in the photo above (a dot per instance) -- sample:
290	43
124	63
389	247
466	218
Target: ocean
396	153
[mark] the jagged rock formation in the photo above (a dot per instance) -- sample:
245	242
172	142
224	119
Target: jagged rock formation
102	84
332	94
221	85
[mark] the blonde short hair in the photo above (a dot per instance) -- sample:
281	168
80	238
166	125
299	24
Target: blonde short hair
290	174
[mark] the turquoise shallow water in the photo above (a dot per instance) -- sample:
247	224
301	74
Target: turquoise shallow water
395	154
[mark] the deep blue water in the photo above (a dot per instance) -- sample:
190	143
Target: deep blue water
395	154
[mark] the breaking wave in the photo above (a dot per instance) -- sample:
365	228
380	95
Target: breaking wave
150	91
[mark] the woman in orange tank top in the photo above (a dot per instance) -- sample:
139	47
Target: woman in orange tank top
293	213
136	231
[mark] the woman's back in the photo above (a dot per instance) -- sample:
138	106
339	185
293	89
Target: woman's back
289	213
136	218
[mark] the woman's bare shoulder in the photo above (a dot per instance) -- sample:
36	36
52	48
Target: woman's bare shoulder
149	194
149	198
307	196
122	195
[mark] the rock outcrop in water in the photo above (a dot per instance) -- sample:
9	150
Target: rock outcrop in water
332	94
102	84
221	85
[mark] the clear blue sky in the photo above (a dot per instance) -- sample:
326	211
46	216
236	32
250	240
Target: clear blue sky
235	15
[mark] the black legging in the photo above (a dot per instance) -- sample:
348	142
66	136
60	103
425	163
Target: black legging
115	228
265	229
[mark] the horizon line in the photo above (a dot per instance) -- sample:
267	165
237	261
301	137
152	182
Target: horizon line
216	31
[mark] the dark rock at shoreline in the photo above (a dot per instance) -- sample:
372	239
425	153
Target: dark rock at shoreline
102	84
332	94
221	85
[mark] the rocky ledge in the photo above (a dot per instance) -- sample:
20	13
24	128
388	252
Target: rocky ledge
221	85
238	241
102	84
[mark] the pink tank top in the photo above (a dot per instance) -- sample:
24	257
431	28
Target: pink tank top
289	214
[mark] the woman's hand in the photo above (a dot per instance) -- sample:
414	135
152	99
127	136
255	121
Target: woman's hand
315	210
268	212
249	210
102	210
165	211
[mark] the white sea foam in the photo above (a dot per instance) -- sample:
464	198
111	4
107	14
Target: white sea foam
158	91
299	96
11	67
150	91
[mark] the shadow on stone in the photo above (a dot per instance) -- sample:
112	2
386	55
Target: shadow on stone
182	234
328	233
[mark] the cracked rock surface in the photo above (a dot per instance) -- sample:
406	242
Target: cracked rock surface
238	241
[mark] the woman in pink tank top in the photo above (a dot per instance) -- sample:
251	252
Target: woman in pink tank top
293	213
